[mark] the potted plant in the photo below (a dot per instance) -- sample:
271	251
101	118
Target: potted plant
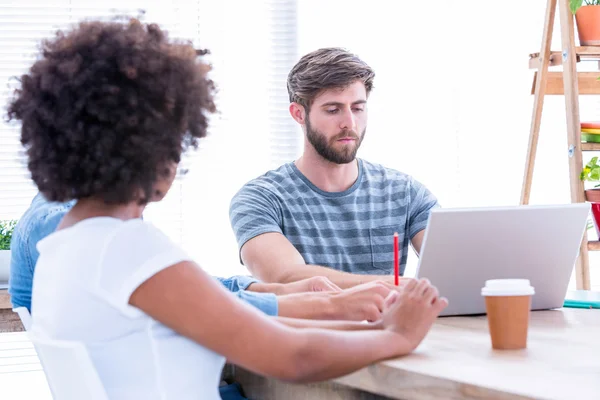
6	231
591	173
587	17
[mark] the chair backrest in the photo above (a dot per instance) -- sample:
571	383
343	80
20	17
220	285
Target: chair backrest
69	369
24	316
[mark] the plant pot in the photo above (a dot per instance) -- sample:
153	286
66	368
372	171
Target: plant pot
4	267
593	196
588	25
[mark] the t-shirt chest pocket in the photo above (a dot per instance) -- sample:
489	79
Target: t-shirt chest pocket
382	247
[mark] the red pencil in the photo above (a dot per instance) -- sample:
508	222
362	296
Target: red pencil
396	261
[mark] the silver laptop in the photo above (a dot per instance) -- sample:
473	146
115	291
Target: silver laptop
462	248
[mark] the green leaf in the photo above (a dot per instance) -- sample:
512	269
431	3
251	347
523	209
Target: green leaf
574	5
592	163
591	171
6	230
590	224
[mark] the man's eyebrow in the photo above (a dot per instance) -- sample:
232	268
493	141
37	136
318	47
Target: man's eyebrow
337	103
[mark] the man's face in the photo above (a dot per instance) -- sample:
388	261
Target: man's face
337	121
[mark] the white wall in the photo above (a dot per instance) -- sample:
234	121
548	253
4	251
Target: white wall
452	102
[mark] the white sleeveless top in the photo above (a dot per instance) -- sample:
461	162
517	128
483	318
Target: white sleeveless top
83	280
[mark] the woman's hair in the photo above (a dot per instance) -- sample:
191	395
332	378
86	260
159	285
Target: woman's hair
108	107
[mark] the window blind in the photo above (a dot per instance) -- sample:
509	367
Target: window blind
252	49
23	25
253	46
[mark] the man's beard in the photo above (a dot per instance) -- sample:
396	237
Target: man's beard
342	156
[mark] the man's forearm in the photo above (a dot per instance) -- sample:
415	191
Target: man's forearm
261	287
311	305
343	279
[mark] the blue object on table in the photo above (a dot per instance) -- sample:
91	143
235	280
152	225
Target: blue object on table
582	299
232	391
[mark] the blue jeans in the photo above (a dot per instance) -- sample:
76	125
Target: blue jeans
232	392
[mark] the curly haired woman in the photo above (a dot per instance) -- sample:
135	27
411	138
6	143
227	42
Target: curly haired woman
106	113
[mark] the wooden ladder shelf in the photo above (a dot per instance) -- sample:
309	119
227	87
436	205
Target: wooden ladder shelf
571	84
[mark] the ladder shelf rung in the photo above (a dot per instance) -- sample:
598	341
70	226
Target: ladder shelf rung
594	245
590	146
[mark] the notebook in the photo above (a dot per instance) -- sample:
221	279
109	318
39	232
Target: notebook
582	299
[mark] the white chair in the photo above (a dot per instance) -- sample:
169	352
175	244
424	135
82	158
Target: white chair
69	369
24	316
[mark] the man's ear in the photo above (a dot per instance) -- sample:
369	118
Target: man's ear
298	113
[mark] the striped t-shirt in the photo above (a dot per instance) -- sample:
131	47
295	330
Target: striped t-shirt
349	231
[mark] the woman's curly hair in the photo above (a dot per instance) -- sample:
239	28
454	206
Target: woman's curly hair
108	107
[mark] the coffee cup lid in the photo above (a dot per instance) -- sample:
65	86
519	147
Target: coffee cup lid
507	287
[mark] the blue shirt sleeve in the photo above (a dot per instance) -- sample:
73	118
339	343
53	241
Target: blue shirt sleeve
253	210
237	283
21	272
265	302
422	201
39	221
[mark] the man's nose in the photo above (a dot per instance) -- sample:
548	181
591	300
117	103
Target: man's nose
348	120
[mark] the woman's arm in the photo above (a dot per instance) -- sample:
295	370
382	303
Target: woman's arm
186	299
333	325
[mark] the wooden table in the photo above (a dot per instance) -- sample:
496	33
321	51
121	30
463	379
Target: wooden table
456	361
9	321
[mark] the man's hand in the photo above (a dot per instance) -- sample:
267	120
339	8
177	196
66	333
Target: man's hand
362	302
314	284
390	282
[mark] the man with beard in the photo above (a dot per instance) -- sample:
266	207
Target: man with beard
329	213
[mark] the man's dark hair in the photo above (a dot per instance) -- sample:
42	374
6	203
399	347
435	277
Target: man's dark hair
108	107
327	68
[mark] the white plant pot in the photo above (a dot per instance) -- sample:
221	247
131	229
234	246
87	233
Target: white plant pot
4	267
